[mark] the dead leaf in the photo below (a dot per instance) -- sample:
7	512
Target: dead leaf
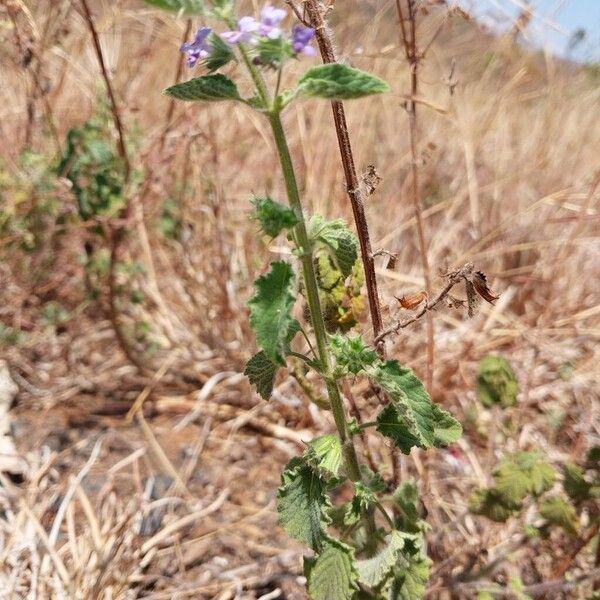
411	301
481	286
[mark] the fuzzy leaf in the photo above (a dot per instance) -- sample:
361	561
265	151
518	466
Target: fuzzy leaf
374	571
559	512
574	482
351	353
523	473
273	52
220	53
332	576
273	216
209	88
188	7
406	498
340	240
411	418
261	371
496	382
491	504
270	310
302	503
340	82
411	580
324	453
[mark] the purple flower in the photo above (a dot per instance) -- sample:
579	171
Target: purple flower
247	27
199	48
270	18
301	38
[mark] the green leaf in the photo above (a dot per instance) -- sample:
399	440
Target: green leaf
261	371
411	578
273	216
324	453
411	418
575	483
352	355
374	571
523	473
220	53
559	512
339	82
188	7
209	88
496	382
338	238
332	576
491	504
406	498
273	52
593	457
302	503
270	310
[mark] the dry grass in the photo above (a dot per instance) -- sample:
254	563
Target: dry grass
510	178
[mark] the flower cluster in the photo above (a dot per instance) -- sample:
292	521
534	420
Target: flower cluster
252	32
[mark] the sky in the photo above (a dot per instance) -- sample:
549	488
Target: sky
553	26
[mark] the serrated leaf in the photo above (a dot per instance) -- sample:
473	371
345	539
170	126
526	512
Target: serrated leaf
333	574
324	453
270	310
302	503
188	7
351	353
261	371
491	504
374	571
411	419
523	473
497	383
411	580
575	483
340	82
208	88
273	216
341	241
406	498
559	512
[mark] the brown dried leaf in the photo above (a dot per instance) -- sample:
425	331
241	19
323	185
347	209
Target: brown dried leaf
411	301
481	287
371	179
471	298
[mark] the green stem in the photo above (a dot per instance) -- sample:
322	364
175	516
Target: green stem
314	305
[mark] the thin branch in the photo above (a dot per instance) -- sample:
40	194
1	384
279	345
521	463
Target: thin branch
453	278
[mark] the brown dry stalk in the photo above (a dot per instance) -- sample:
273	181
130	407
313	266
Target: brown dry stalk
409	42
325	43
117	232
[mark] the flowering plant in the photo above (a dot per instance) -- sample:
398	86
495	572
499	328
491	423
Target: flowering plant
371	546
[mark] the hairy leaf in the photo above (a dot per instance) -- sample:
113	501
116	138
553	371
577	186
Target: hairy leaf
411	578
302	503
332	576
270	310
341	241
406	498
324	453
273	52
491	504
220	53
273	216
208	88
496	382
261	371
374	571
188	7
336	81
411	419
523	473
559	512
351	353
575	483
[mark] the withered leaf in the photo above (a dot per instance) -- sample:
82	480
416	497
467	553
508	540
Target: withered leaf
411	301
481	286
